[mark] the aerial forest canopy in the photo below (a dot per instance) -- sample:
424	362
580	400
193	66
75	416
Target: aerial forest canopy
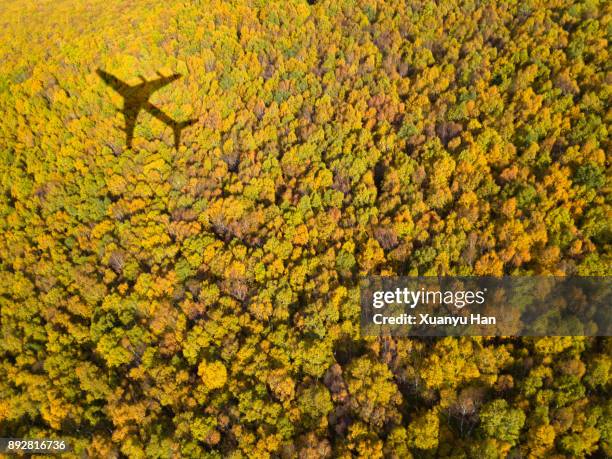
201	299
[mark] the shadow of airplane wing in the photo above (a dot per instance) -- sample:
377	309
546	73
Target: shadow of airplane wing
154	85
114	82
158	113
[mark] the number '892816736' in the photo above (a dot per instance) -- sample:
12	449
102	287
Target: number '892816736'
22	445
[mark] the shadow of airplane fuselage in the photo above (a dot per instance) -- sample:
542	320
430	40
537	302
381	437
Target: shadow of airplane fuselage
136	98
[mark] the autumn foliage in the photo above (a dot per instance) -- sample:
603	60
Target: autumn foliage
203	301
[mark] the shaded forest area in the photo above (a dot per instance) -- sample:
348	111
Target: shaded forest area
202	301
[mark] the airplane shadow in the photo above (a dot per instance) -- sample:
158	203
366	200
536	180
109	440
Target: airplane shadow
136	98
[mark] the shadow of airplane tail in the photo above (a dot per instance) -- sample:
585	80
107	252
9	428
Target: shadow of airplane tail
178	127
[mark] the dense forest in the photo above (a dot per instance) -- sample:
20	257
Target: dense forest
203	301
